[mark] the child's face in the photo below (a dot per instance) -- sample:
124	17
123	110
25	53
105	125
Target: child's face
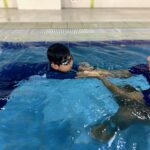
65	66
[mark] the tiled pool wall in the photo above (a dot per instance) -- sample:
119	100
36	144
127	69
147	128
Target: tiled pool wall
20	45
74	31
38	34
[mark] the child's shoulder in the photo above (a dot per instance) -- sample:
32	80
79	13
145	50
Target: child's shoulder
21	70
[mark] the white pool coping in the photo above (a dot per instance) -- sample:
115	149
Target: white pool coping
75	24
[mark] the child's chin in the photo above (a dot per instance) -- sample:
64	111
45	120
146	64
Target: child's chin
67	70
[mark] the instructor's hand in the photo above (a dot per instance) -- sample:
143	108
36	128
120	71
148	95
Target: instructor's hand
93	73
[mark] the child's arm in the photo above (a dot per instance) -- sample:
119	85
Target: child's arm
85	74
120	74
114	73
104	73
134	70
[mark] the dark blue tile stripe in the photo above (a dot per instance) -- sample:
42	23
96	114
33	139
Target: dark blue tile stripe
23	45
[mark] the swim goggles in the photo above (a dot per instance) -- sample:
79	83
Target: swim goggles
66	60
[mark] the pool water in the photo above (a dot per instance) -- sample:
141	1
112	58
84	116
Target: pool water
48	114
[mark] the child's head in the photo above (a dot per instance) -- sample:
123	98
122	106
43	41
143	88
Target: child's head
59	57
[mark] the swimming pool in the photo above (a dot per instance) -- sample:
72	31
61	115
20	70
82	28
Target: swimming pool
58	114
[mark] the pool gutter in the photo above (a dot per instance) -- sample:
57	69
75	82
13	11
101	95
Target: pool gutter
74	31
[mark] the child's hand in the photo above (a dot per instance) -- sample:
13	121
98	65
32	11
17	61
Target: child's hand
84	66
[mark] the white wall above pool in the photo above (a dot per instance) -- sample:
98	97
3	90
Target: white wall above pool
105	3
122	3
8	3
39	4
58	4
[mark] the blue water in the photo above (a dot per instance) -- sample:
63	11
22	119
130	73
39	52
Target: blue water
58	114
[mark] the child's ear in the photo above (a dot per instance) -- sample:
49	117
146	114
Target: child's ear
54	66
